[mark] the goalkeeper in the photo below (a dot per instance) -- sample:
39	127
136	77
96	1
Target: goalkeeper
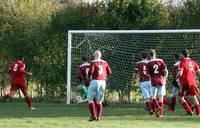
83	76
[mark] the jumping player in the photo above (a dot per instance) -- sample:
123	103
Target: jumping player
145	83
17	71
157	70
100	69
186	74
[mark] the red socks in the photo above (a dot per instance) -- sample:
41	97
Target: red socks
155	104
28	101
165	101
197	109
99	110
161	106
92	109
173	103
148	105
187	107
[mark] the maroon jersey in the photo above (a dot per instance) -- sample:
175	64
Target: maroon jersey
155	68
190	68
175	72
176	68
141	68
17	70
100	69
83	73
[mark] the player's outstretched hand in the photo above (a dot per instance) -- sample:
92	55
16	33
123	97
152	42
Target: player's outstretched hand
30	73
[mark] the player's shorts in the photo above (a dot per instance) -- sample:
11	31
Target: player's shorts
191	90
158	91
146	89
19	85
96	90
175	90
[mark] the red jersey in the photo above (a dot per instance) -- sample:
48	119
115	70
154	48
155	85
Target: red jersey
83	73
141	68
17	70
190	68
100	69
155	68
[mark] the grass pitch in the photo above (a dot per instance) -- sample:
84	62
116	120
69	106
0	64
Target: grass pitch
58	115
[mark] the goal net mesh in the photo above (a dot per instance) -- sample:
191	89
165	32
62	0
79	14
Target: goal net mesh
123	50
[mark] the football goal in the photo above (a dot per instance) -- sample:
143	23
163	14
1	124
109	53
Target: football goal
122	49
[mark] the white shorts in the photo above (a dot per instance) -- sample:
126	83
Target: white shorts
158	91
146	89
96	90
175	90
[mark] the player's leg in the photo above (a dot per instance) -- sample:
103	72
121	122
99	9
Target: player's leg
100	95
27	97
146	88
161	93
91	96
13	91
173	102
184	91
193	91
154	91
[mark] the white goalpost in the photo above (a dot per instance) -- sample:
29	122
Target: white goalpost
122	50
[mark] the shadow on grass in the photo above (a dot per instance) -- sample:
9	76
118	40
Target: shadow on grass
116	112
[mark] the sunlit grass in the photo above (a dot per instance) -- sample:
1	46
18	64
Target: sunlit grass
58	115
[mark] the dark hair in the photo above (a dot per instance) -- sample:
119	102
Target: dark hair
152	52
177	57
186	53
83	58
144	55
20	57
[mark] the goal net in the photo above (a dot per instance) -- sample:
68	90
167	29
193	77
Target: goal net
122	50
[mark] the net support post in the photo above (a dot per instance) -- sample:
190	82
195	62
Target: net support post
69	44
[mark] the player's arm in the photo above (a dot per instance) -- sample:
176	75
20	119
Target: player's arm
166	73
179	74
197	69
22	69
108	70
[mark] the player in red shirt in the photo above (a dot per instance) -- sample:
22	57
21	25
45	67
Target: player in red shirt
84	78
17	71
100	69
157	70
187	72
145	83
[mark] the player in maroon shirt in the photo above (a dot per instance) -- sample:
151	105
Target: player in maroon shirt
175	83
187	72
17	71
145	83
157	70
100	69
84	78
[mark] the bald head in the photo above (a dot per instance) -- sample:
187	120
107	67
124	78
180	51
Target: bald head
152	53
97	54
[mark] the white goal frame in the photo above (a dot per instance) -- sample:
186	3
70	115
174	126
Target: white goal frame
69	44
